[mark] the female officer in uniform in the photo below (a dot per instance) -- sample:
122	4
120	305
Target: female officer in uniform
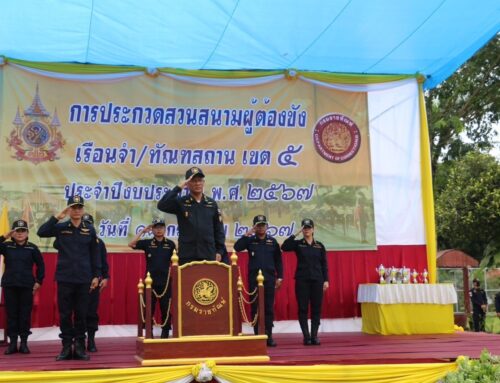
311	278
19	283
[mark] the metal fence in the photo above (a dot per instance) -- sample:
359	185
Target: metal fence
489	279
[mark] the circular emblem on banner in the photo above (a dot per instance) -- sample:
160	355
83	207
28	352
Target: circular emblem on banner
205	292
36	134
336	138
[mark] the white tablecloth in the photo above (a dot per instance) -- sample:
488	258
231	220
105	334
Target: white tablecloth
443	293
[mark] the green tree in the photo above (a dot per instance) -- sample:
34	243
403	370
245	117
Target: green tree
468	207
468	103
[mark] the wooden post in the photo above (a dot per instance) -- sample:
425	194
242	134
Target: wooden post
174	314
465	271
261	311
149	319
236	330
140	323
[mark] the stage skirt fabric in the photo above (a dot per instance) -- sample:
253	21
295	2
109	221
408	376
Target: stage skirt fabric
347	269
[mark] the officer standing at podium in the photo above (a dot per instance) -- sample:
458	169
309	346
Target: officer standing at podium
263	254
158	252
201	231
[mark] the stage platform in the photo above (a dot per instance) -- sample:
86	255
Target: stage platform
336	348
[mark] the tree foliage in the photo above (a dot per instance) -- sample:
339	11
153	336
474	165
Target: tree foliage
468	103
463	116
468	208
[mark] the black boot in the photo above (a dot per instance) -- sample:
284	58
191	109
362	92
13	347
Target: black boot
164	333
314	334
91	347
305	332
12	349
23	347
66	352
79	351
270	341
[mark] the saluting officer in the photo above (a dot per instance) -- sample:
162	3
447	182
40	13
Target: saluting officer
201	231
19	284
263	254
92	315
311	278
158	252
77	274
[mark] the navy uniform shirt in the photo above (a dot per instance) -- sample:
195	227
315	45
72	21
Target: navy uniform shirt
19	261
103	253
201	231
311	259
158	254
263	254
478	298
78	260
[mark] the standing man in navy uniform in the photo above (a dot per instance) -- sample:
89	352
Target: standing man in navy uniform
158	252
263	254
201	231
92	315
19	284
479	305
77	274
311	278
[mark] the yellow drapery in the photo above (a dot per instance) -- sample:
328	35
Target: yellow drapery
384	373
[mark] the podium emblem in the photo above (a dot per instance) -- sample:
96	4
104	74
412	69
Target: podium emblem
205	291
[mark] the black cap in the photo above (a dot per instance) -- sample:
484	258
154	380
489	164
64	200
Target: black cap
306	222
88	218
158	222
258	219
76	200
20	224
194	171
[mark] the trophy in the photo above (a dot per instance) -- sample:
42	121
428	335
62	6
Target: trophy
425	274
381	272
405	273
392	275
414	276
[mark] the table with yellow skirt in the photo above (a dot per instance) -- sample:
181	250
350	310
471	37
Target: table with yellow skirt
405	309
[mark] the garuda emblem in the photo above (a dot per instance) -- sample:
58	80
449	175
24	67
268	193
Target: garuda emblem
205	291
36	136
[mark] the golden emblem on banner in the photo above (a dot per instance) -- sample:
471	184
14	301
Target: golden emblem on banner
205	291
36	136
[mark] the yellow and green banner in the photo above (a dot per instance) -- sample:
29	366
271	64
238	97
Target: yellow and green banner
283	146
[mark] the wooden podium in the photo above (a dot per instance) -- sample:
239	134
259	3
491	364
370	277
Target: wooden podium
206	319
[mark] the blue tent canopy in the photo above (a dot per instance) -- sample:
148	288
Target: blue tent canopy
431	37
